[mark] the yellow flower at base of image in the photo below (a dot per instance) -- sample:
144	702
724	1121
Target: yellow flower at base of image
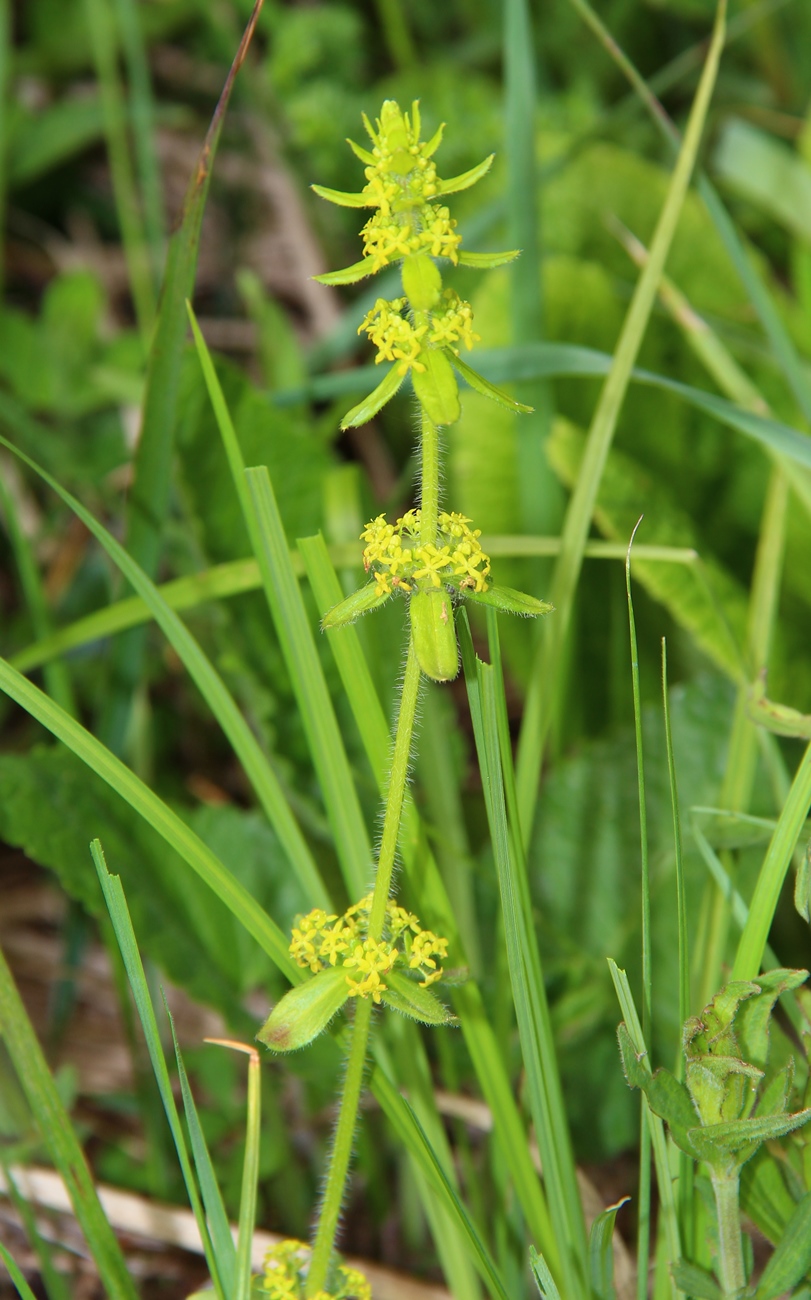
285	1276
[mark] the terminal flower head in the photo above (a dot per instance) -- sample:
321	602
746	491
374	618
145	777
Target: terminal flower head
284	1276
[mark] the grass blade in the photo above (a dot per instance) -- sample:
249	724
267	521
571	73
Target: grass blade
643	1216
410	1131
55	1284
166	822
23	1289
222	1243
545	677
215	693
488	713
142	117
60	1138
124	933
269	545
148	501
250	1172
667	1204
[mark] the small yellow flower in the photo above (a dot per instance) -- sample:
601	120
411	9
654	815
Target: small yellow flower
285	1276
371	959
396	557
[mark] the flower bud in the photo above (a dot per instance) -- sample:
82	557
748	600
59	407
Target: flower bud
434	634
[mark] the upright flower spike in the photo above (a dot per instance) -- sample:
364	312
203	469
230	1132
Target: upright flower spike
410	225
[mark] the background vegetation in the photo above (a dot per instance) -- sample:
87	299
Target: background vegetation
104	105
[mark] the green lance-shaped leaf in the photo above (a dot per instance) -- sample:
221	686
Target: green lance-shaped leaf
488	261
411	999
369	407
542	1275
509	601
343	198
434	634
601	1252
436	387
792	1258
483	386
348	275
465	179
754	1016
742	1137
360	602
695	1281
305	1011
422	282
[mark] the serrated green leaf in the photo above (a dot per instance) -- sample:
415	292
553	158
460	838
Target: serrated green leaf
483	386
404	995
305	1011
369	407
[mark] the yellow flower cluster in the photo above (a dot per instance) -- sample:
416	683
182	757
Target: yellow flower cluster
398	559
421	229
401	182
285	1276
321	939
398	339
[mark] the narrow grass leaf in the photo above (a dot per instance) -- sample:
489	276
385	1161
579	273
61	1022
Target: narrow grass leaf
488	713
543	1276
661	1159
545	676
792	1257
222	1243
309	685
166	822
214	692
269	544
408	1128
148	499
124	933
16	1275
56	1285
142	119
763	904
60	1139
601	1252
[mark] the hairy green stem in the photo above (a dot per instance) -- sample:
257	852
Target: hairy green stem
353	1080
429	486
341	1149
730	1253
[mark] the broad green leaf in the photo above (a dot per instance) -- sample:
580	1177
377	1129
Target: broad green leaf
667	1096
385	391
791	1260
601	1252
483	386
766	172
753	1018
695	1281
406	996
736	1135
304	1012
60	1138
466	179
50	137
765	1199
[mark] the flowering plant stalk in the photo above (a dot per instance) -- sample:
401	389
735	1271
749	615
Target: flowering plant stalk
377	953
